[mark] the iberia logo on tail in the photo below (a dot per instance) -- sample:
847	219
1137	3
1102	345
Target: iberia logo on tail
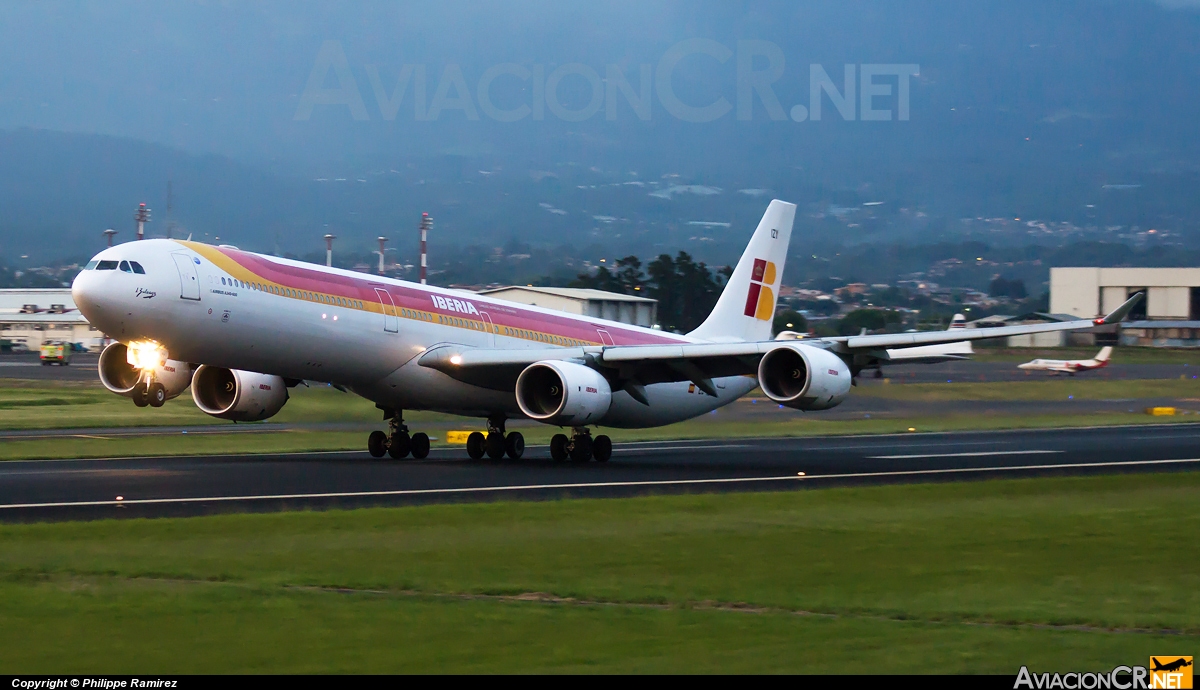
760	301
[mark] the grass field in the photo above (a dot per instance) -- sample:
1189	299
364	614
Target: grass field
1060	574
1125	355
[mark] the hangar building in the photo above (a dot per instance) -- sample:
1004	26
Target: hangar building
636	311
1168	317
29	317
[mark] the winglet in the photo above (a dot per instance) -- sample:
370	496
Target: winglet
1122	311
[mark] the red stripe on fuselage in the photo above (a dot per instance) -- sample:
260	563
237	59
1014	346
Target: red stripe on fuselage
509	314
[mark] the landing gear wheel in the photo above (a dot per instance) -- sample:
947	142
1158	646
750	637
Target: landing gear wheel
558	447
158	395
475	445
377	444
140	398
602	448
399	446
420	446
514	445
582	450
494	445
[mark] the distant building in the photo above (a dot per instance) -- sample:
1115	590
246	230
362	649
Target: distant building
1168	317
30	317
1171	293
636	311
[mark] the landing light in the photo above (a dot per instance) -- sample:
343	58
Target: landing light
145	355
456	360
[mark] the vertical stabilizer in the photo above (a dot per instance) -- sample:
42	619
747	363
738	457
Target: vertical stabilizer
746	308
1105	353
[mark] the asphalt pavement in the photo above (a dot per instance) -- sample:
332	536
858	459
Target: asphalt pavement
178	486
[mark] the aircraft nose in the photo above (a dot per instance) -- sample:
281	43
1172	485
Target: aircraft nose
93	300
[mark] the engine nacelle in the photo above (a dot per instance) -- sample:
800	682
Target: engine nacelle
242	396
804	377
563	393
121	376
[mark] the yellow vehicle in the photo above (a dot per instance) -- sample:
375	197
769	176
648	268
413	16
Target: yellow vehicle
56	353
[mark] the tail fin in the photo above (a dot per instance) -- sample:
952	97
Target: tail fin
747	305
1105	353
959	321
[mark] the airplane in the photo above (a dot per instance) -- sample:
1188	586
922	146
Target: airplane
1069	366
930	354
240	328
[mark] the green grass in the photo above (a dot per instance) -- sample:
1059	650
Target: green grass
71	404
1037	389
963	577
1121	355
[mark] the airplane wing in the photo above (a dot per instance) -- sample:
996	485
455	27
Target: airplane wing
635	366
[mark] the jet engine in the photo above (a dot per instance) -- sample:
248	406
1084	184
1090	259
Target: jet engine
804	377
241	396
563	393
139	369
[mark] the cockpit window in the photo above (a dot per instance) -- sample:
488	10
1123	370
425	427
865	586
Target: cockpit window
137	268
106	266
125	267
91	264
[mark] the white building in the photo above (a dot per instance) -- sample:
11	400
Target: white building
1168	317
1171	293
30	317
637	311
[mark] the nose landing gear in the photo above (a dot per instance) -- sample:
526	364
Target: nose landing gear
496	443
397	444
153	394
581	447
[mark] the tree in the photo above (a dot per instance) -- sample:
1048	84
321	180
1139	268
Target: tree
1002	287
870	319
789	320
686	291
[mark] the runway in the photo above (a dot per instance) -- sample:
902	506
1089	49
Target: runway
179	486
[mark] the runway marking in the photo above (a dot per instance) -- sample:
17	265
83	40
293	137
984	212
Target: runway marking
643	449
801	477
976	454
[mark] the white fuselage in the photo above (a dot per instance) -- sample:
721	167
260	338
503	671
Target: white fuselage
228	308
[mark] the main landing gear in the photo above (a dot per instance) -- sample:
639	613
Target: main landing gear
397	443
152	394
581	447
496	444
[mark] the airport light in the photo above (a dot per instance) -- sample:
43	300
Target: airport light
426	226
142	217
329	249
108	234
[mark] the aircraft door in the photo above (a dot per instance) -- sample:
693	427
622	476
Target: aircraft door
605	337
491	329
391	322
189	284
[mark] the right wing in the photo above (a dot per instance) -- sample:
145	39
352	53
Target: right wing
632	367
